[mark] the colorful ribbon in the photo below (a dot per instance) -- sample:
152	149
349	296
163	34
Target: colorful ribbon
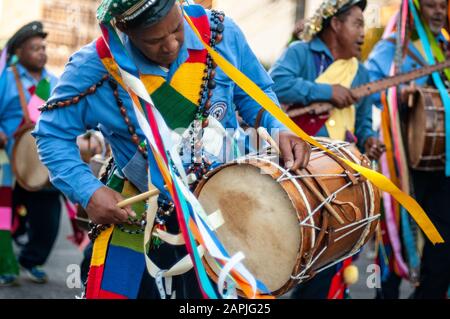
161	160
436	78
377	179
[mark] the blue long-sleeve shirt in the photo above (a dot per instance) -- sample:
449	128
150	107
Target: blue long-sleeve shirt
57	130
295	73
11	113
380	61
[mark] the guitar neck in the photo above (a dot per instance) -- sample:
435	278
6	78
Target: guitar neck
384	84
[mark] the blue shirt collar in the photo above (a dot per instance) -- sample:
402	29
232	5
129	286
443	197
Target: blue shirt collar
145	66
23	73
319	46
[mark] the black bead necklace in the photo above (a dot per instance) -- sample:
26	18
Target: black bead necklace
199	164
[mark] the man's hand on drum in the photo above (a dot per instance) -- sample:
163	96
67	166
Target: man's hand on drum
374	148
3	140
102	208
295	151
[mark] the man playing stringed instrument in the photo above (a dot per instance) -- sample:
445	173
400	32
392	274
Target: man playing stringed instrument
323	68
426	42
148	41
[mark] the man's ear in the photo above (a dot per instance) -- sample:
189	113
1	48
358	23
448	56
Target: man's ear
335	24
19	53
121	26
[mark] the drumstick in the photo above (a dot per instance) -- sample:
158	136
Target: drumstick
265	135
138	198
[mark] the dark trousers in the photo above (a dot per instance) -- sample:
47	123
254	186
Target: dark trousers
316	288
86	262
185	286
390	288
42	223
432	190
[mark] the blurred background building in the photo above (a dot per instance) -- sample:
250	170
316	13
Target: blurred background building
267	24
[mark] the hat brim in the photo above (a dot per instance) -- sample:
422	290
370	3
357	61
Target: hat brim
152	15
360	3
16	42
355	3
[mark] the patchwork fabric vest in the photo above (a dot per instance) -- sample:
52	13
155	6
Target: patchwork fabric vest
118	260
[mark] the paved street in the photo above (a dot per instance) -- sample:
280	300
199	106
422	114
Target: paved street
360	290
66	254
63	255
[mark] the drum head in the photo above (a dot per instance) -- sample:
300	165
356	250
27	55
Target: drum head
260	221
29	171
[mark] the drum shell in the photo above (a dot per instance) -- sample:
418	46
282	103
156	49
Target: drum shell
426	131
309	250
348	204
29	171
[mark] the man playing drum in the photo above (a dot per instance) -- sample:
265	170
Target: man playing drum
26	81
164	47
324	67
431	188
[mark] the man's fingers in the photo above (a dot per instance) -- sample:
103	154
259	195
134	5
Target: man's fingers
286	152
130	211
121	215
375	152
298	157
351	99
307	155
302	155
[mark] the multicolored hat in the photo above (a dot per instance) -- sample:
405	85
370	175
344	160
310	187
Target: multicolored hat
327	10
134	13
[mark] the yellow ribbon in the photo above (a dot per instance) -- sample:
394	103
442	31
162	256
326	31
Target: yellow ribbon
377	179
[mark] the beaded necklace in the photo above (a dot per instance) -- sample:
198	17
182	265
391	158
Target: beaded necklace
199	164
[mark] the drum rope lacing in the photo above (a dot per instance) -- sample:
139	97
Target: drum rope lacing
308	221
360	224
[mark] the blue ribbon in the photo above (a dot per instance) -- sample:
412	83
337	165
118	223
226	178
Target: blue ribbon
409	240
187	210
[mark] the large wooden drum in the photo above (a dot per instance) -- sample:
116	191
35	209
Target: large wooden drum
291	226
426	131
